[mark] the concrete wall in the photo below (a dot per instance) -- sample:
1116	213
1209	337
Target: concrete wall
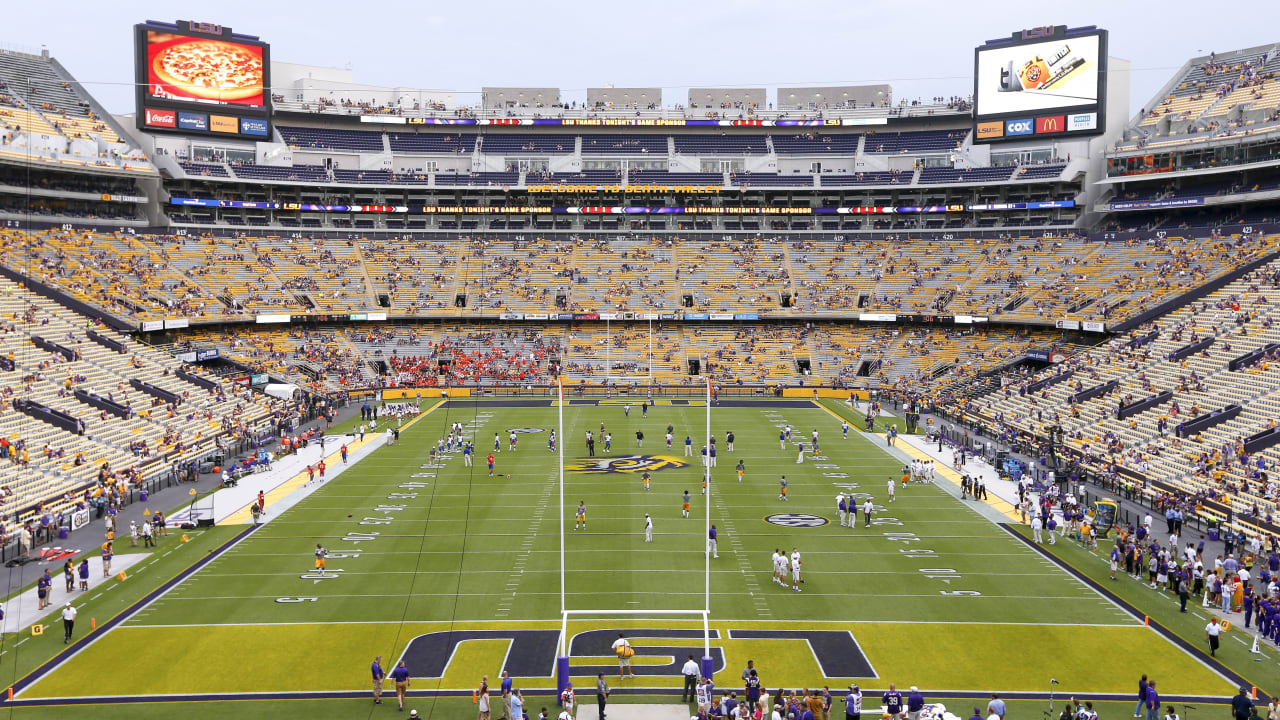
714	97
800	98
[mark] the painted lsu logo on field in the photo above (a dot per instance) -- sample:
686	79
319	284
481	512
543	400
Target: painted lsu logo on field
796	520
624	464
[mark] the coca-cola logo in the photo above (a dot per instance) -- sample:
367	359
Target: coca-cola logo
161	118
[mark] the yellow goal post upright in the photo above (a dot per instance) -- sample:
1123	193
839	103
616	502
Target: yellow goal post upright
562	647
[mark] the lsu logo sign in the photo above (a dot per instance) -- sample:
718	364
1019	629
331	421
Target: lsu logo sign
624	464
1051	124
989	130
1022	126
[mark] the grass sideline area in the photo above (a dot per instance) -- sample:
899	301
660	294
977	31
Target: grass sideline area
419	550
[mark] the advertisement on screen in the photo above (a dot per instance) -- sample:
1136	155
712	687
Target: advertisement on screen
196	69
1042	81
218	77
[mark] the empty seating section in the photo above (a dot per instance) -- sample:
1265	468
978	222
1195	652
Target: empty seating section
884	177
330	139
624	144
950	175
378	177
661	177
612	177
154	435
1241	318
35	84
291	173
919	141
1039	172
204	169
432	143
550	144
816	143
478	178
721	144
748	179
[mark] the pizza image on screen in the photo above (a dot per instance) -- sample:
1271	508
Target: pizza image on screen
210	70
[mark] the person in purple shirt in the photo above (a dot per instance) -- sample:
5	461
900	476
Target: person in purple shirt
892	701
915	703
401	677
1153	702
506	694
378	675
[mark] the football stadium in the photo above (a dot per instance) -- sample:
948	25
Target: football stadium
325	396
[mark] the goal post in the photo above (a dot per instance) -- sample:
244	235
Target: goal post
563	669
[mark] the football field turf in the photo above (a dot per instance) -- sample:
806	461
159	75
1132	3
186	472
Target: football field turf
459	573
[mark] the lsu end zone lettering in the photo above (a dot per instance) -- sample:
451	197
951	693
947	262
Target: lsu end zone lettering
624	464
531	653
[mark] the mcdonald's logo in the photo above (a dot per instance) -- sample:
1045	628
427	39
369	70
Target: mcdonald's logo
1051	124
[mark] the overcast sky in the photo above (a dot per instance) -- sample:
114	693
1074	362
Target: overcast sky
924	48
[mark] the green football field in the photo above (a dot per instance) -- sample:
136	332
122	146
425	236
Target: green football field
460	574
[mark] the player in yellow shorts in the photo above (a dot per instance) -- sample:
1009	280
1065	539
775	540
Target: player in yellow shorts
321	554
645	479
742	469
684	507
582	516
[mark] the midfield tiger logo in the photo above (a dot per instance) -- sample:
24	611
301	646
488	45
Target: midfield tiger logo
624	464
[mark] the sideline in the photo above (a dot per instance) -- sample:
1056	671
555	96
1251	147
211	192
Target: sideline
1186	646
95	635
277	495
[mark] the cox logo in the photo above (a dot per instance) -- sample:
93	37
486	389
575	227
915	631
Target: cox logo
1024	126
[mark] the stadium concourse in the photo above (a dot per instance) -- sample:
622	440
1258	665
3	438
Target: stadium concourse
252	365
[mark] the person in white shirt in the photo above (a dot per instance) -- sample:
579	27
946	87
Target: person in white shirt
624	658
891	489
648	528
1036	527
776	555
782	569
853	702
68	622
691	672
867	508
703	695
795	570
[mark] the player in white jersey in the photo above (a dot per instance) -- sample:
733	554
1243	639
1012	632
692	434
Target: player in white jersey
511	442
648	528
777	565
844	429
782	569
796	578
891	489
